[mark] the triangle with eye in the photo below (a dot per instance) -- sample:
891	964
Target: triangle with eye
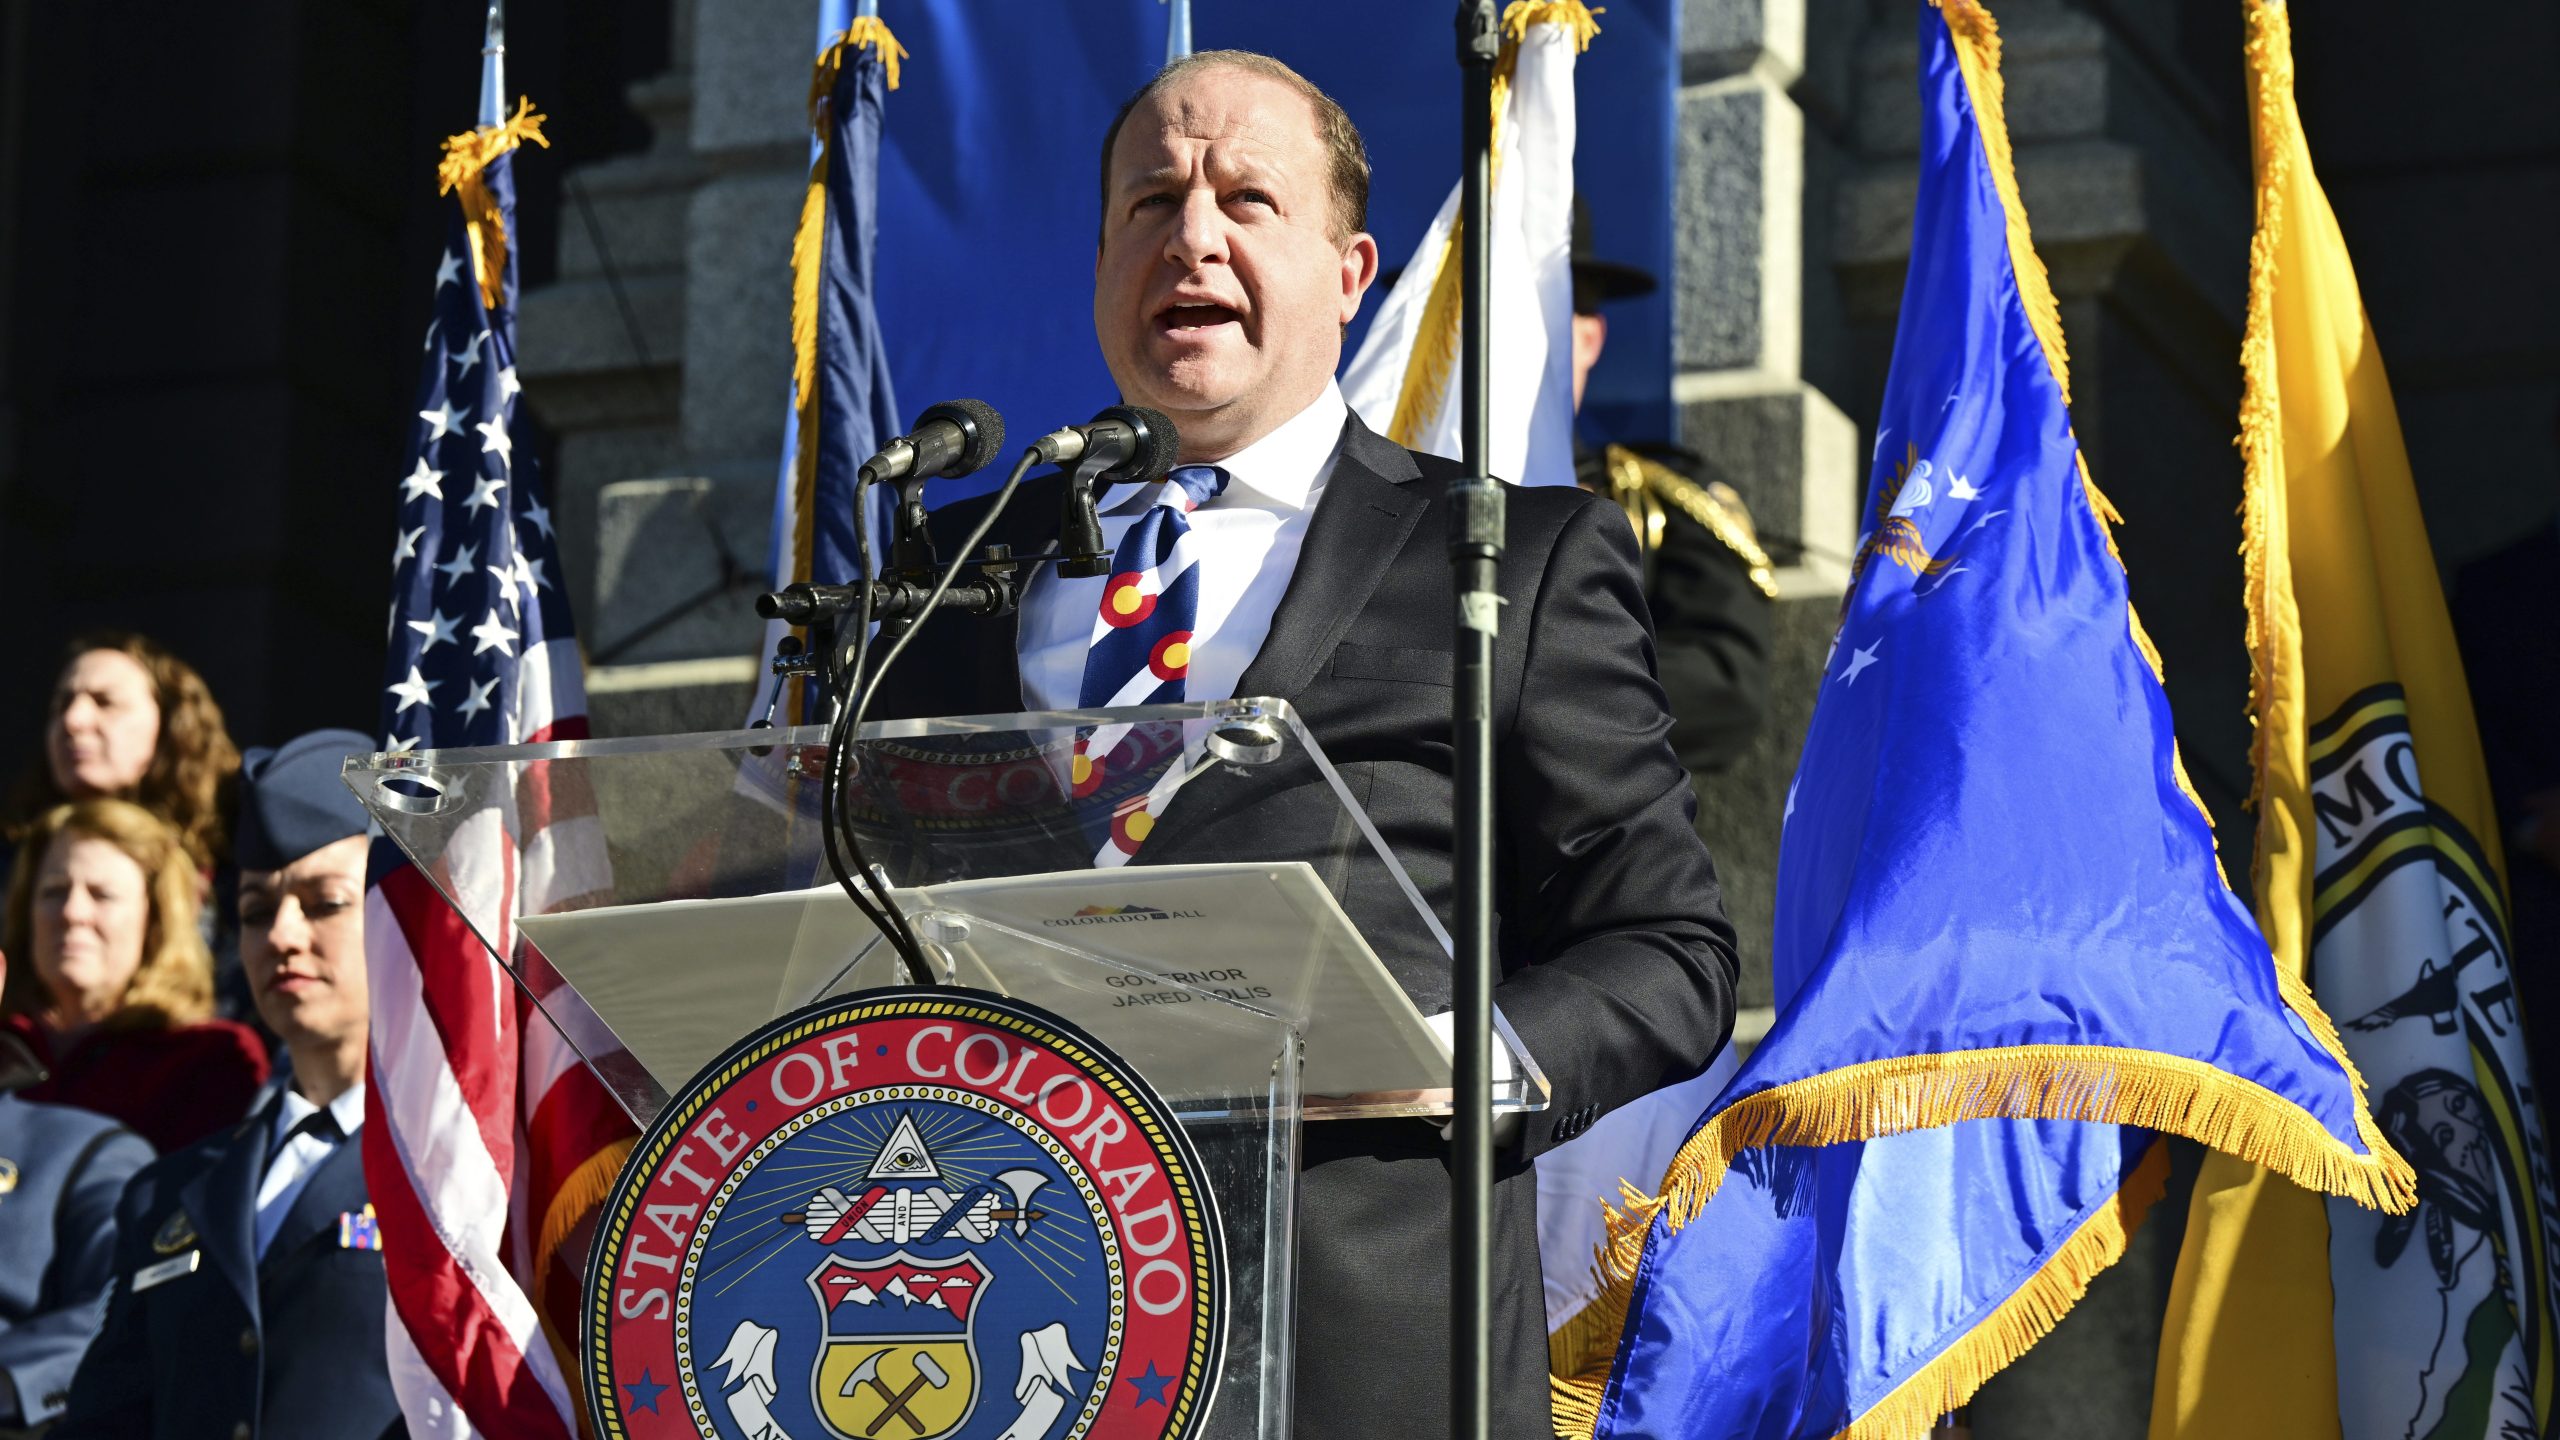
904	1156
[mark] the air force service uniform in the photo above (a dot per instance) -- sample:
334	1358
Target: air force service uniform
249	1298
230	1321
61	1170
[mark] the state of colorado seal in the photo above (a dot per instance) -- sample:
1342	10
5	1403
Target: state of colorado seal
908	1215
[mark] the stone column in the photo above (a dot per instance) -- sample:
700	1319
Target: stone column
1740	305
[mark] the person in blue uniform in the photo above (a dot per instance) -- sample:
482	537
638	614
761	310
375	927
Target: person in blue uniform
249	1291
61	1171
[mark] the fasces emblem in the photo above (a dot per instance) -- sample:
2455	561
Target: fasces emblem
908	1215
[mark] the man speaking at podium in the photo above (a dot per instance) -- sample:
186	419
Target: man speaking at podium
1231	257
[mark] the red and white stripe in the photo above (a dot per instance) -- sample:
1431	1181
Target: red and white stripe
479	1110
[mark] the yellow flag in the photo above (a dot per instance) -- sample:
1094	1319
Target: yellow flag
2378	878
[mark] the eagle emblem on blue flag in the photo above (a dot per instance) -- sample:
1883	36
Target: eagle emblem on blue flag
925	1215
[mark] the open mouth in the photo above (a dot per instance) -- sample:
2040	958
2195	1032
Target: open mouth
1183	319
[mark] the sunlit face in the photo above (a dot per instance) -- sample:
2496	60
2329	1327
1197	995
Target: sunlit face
92	913
106	725
302	943
1590	337
1220	291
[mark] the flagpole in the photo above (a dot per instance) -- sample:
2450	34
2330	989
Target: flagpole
1475	550
493	66
1177	32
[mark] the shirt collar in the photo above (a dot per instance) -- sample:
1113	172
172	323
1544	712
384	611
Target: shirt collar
292	1105
1280	470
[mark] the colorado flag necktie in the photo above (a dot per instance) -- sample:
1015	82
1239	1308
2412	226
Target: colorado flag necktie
1141	651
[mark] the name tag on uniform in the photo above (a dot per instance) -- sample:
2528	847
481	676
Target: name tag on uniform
150	1275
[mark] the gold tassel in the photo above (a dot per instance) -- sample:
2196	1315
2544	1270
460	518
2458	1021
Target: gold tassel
1435	342
465	156
867	32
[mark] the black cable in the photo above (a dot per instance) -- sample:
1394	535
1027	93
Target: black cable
857	689
933	601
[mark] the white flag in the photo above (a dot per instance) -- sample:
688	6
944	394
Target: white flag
1404	381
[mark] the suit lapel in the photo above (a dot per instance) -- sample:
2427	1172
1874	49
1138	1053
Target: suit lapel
1367	512
222	1200
334	1189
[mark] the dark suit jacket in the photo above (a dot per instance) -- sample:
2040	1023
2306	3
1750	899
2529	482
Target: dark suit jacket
1617	962
285	1348
65	1169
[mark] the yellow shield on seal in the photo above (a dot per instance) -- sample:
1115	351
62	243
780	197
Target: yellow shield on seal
900	1357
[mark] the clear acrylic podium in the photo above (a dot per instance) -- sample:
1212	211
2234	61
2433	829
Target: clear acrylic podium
659	898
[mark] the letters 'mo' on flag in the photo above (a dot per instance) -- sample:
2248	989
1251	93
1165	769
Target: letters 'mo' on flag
2379	881
2004	951
1403	381
486	1141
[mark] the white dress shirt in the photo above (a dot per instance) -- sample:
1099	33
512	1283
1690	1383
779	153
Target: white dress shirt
292	1162
1247	538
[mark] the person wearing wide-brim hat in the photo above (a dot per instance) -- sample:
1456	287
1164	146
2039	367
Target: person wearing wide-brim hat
249	1294
1707	581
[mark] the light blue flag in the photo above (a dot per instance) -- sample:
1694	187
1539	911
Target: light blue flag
2005	954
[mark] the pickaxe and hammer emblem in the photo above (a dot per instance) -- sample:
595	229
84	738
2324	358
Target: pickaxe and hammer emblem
895	1403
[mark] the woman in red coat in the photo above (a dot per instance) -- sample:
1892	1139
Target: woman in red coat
118	986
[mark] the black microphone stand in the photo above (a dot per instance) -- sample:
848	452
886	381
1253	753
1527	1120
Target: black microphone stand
1475	550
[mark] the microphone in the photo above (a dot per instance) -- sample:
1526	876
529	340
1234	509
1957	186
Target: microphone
1124	445
1133	445
952	439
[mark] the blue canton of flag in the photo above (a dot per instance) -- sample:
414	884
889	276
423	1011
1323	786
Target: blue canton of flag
2004	952
481	644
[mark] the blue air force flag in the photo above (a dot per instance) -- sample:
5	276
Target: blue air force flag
2005	953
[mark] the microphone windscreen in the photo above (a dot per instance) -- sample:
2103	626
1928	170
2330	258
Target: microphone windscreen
1159	445
978	421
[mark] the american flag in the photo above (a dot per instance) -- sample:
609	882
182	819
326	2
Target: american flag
487	1143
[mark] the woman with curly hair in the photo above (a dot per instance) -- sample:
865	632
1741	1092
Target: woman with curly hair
115	993
131	720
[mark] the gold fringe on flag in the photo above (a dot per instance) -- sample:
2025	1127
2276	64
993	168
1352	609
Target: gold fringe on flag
866	32
465	156
1435	342
2098	1084
2274	626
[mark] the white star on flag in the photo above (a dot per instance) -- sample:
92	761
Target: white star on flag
449	270
413	691
484	494
496	439
423	481
529	575
539	518
469	355
1860	660
492	635
460	565
478	698
407	549
437	629
507	384
1963	490
502	582
448	421
401	744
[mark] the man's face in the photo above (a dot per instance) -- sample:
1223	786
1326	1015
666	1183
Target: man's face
302	942
1219	290
1590	337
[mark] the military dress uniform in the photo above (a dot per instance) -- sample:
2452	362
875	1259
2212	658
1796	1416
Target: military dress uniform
61	1171
233	1321
1709	586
